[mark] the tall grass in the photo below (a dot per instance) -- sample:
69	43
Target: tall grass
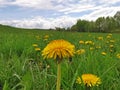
23	68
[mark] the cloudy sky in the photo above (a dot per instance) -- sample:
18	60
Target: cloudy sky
54	13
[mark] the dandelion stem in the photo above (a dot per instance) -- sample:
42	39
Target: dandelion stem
58	76
87	87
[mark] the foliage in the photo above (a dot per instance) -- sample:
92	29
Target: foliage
23	68
102	24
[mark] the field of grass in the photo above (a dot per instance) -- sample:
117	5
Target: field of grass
22	66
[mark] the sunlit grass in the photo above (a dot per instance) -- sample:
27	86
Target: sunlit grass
23	67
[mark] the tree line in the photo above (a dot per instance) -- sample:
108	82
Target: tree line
102	24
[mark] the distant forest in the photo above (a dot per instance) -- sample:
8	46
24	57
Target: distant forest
102	24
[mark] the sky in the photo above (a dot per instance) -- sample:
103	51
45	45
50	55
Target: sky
45	14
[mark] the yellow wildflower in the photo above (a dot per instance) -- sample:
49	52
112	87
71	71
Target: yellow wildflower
103	53
58	49
37	49
89	80
81	42
89	42
46	36
35	45
118	55
111	46
108	37
91	48
100	38
80	51
112	41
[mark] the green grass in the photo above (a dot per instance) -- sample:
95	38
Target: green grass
23	68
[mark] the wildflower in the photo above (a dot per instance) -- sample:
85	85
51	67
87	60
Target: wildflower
37	49
58	49
81	42
111	50
110	34
103	53
108	37
91	48
111	46
112	41
35	45
100	38
89	80
45	39
80	51
89	43
79	80
46	36
118	55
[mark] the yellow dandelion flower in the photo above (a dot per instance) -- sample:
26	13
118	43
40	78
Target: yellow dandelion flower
81	42
89	42
111	50
89	80
100	38
37	49
111	46
110	34
58	49
118	55
80	51
91	48
98	47
78	80
45	39
46	36
112	41
103	53
35	45
108	37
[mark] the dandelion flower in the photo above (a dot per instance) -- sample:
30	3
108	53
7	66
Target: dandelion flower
35	45
89	80
37	49
103	53
100	38
89	42
80	51
58	49
118	55
81	42
111	46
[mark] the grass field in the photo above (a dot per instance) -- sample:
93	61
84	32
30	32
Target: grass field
23	68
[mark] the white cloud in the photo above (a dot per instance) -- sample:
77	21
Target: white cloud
43	23
97	9
108	11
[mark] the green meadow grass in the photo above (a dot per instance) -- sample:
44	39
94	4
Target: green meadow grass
23	68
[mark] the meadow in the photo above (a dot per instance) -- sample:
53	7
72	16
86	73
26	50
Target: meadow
22	67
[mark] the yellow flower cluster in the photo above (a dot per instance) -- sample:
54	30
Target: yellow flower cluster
89	80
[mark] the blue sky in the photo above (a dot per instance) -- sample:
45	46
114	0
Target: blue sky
54	13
